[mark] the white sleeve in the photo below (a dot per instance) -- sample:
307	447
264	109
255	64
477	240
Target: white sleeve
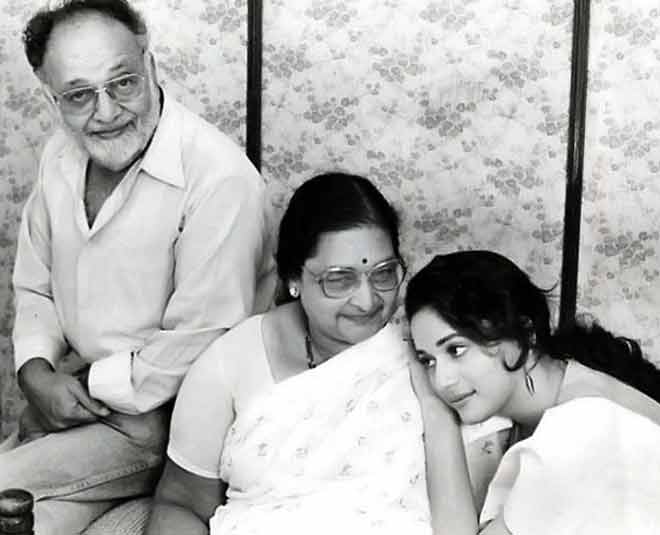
202	415
205	404
586	469
37	331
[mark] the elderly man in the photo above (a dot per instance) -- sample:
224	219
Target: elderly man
144	239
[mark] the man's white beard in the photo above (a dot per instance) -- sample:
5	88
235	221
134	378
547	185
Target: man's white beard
118	153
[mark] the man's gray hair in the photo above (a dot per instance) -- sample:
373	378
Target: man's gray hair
39	28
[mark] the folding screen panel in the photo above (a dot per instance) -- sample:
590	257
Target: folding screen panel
458	110
620	240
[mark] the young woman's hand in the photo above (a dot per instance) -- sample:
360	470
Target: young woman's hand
429	401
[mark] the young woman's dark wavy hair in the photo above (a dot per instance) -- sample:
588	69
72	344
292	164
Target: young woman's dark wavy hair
326	203
487	298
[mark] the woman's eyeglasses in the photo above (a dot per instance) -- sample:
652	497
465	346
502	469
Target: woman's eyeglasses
340	282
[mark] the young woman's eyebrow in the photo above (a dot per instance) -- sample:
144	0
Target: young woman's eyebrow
445	339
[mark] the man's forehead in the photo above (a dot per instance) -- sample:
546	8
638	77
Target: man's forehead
89	47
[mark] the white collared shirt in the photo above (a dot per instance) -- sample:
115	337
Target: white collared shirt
179	252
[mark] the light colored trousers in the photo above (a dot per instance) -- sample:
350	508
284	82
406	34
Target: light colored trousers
78	474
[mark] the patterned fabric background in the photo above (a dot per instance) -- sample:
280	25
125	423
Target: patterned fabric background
619	267
456	109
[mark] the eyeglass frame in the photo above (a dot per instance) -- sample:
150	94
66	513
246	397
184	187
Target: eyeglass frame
319	278
98	89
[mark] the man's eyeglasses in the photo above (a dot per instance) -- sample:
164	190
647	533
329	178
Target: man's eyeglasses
340	282
82	100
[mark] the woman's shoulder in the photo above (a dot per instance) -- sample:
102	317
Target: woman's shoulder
229	353
245	334
576	440
584	383
593	425
588	456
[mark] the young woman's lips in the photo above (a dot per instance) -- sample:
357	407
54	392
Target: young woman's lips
459	400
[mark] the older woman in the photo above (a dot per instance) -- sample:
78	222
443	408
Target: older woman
302	420
585	402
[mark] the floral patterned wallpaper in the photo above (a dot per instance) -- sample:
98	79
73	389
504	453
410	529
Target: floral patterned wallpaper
457	109
200	50
619	264
24	124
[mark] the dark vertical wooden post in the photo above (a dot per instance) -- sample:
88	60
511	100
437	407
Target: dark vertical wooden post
574	163
254	68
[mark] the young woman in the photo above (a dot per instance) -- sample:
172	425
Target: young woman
585	403
302	420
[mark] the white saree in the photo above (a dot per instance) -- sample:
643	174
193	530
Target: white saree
337	449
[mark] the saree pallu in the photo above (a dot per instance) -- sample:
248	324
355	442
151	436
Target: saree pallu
336	449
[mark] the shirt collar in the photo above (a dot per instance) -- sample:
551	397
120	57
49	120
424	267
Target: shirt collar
162	160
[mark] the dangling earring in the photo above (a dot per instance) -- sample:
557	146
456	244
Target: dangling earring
529	380
529	383
294	291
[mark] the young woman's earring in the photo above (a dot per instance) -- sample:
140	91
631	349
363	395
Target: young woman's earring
529	383
294	291
529	380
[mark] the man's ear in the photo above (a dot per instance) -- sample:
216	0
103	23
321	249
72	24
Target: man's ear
152	66
53	108
143	41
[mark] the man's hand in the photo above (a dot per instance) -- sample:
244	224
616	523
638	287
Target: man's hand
59	399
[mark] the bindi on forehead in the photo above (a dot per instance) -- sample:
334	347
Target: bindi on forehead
365	261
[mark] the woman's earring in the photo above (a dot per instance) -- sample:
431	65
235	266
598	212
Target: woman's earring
294	291
529	383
